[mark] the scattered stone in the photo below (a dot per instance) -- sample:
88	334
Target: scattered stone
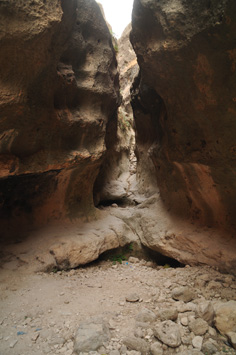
123	349
168	333
209	348
184	294
35	337
133	297
206	311
186	339
137	344
197	342
156	349
56	340
213	285
133	260
114	352
225	317
212	332
232	338
139	333
198	326
186	307
146	316
13	343
190	352
91	336
168	314
184	321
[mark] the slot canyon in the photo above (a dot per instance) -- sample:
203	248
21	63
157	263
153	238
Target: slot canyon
117	179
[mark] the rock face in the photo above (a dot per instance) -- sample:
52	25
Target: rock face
184	108
59	94
113	182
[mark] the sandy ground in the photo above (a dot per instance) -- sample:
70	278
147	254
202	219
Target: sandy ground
40	312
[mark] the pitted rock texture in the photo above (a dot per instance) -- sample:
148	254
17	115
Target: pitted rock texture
59	91
184	108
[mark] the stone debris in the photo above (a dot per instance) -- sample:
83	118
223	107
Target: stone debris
133	297
137	344
198	326
168	333
225	317
197	342
93	323
146	315
183	294
168	314
232	338
206	311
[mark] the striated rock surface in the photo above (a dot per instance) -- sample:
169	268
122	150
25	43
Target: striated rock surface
184	108
58	94
113	182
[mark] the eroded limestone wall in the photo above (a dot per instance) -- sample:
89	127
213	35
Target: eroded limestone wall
185	106
58	93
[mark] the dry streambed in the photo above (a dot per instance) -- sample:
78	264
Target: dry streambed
129	308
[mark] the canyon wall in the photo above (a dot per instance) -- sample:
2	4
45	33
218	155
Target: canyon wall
185	115
59	94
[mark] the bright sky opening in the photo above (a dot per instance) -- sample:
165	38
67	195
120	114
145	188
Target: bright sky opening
118	14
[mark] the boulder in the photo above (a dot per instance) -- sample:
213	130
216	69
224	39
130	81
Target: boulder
186	124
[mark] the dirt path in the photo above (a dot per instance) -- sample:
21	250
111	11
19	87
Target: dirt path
40	313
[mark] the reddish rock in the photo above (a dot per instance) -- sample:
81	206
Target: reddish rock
185	116
59	92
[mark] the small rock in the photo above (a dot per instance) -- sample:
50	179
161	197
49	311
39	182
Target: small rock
35	337
13	343
232	338
186	339
114	205
168	314
146	316
114	352
133	260
123	349
91	336
186	307
198	326
156	349
184	321
212	332
225	316
206	311
137	344
139	333
168	333
209	348
213	285
191	352
133	297
184	294
197	342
